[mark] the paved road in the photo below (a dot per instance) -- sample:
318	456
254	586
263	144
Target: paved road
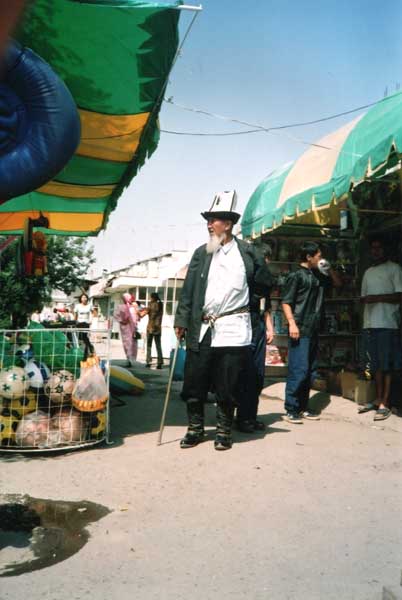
309	512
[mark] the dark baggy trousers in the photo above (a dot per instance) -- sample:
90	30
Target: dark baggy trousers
223	368
157	338
302	360
84	337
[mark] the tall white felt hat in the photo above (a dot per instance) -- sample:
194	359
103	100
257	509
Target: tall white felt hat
223	207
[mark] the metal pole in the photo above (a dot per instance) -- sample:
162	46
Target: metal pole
189	7
123	4
165	406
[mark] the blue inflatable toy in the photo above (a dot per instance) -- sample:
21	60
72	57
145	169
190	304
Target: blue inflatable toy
39	123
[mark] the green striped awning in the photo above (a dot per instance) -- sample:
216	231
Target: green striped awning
115	58
307	190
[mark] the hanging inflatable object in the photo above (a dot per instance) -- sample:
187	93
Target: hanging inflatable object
39	123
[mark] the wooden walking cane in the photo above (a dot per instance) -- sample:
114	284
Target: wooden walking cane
168	392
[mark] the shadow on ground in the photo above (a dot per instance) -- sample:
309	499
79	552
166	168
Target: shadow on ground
142	414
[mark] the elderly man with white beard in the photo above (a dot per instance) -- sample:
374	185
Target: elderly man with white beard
213	315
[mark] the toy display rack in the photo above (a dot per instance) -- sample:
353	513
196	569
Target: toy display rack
38	371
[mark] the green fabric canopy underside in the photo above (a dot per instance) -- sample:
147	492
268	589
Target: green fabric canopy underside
113	60
115	57
374	143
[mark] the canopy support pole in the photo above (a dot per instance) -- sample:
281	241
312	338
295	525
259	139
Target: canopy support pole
189	7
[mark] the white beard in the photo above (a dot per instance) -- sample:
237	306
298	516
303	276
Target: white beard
214	242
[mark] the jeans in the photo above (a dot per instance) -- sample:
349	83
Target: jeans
302	359
157	338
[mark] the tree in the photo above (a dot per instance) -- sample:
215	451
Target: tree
68	261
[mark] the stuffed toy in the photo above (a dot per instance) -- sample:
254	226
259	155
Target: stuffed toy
39	260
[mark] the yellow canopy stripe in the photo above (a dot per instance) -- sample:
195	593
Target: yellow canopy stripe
110	137
69	190
76	222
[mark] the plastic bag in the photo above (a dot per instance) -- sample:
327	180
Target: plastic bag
90	392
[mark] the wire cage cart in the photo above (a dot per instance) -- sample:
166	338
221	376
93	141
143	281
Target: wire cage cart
39	371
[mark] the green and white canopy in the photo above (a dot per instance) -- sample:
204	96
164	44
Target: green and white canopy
115	57
308	190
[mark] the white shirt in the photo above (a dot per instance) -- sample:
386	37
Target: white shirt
385	278
83	312
227	290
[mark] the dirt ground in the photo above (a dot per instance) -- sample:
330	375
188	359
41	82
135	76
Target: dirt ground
307	512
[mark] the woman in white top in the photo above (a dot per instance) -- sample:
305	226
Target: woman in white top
82	314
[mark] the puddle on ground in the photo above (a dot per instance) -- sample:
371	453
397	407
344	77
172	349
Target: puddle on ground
37	533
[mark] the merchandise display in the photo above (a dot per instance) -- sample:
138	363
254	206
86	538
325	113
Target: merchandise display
38	409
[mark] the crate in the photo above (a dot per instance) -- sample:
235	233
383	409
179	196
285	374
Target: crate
348	384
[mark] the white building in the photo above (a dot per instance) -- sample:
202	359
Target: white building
163	274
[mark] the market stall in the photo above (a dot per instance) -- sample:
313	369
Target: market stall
344	188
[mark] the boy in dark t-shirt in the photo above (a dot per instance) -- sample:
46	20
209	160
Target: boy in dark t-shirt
302	304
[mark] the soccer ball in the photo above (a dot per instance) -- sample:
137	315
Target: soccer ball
9	420
33	430
37	374
24	405
13	382
59	387
98	425
24	352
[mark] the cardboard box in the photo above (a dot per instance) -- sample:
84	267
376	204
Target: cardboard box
348	384
365	392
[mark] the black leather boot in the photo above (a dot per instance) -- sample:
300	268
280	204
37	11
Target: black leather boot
195	431
224	420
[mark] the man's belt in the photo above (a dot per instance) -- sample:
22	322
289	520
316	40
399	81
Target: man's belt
211	318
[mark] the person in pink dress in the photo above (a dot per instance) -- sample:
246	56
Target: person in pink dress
127	316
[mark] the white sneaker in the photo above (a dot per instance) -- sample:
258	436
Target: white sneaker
311	416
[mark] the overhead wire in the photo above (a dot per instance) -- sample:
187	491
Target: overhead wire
257	127
260	128
206	134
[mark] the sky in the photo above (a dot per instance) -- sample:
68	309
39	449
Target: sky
266	62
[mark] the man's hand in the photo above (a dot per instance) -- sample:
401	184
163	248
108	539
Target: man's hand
180	332
294	332
269	336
